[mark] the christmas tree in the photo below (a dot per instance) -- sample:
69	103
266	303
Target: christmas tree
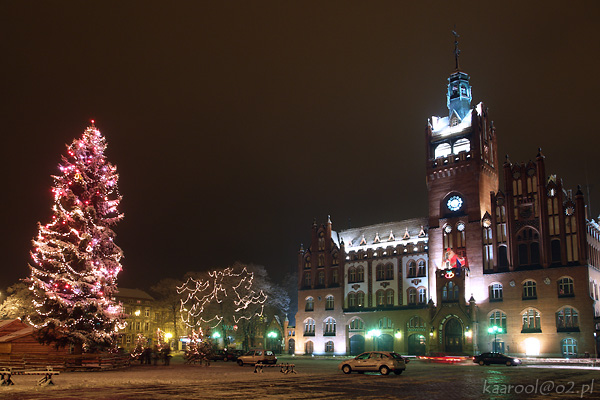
75	261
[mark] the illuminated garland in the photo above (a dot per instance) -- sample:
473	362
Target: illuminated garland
75	261
200	298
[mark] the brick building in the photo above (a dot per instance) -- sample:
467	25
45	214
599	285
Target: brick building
522	258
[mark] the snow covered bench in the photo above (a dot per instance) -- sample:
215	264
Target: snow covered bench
7	373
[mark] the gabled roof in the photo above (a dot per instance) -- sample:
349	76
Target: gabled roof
133	294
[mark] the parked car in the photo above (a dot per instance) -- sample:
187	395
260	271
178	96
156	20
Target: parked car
375	361
225	355
495	358
257	356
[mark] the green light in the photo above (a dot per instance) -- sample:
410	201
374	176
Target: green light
272	334
216	335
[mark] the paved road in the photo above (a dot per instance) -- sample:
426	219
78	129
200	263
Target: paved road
316	379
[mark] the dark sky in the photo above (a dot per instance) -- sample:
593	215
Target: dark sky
234	123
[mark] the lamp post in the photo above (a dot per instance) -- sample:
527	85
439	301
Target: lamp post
495	330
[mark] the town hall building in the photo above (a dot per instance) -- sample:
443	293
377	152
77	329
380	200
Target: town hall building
511	267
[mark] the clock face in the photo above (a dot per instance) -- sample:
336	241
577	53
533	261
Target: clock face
454	203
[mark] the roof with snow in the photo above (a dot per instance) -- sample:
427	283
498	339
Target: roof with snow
385	234
440	126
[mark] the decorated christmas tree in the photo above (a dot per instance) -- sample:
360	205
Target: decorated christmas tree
75	261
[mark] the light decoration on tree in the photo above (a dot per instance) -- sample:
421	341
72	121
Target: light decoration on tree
203	298
75	260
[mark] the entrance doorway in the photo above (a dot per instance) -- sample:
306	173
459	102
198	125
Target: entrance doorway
453	336
416	345
357	345
385	342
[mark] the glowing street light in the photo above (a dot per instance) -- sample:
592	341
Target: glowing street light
272	334
216	335
495	330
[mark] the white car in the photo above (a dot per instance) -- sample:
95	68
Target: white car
375	361
257	356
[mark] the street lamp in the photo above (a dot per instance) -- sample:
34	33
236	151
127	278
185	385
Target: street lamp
495	330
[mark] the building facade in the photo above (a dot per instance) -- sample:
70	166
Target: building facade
511	269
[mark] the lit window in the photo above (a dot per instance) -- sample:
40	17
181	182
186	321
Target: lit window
329	302
529	290
565	287
329	328
496	292
531	321
310	304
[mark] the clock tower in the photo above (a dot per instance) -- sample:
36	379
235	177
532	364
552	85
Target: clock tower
462	170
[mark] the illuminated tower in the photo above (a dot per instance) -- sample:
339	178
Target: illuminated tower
462	170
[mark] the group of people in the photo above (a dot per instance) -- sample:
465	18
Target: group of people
151	355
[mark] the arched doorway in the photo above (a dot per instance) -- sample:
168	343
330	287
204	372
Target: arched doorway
308	347
417	345
291	346
384	342
453	336
357	345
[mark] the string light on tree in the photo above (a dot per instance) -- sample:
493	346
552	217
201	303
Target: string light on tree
203	299
75	261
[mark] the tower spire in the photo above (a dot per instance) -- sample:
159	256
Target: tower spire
456	49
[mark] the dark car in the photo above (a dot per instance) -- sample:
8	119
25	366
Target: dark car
495	358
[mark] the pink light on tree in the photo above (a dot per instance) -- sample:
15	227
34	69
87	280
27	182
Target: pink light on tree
75	261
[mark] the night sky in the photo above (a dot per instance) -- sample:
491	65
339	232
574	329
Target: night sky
234	123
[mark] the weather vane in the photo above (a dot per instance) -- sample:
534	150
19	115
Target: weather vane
456	49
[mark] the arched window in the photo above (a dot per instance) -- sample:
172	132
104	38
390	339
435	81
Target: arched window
528	246
529	290
351	299
412	295
321	241
380	294
416	322
329	327
329	347
389	272
498	318
462	145
360	274
310	304
567	320
309	327
422	268
380	272
450	292
412	269
569	347
531	321
422	296
321	260
307	279
443	150
389	294
329	302
496	292
386	323
357	324
360	299
565	287
352	275
321	278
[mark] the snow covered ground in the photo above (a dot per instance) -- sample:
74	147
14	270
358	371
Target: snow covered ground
316	379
